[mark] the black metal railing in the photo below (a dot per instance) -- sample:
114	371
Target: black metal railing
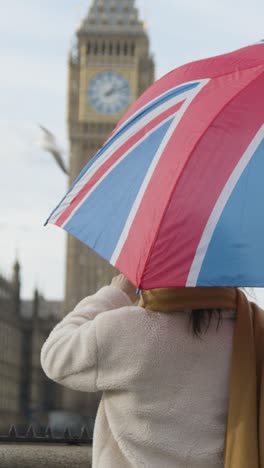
31	437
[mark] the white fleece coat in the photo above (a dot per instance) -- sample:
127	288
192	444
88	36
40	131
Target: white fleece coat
165	393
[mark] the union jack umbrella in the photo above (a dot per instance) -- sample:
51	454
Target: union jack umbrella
175	196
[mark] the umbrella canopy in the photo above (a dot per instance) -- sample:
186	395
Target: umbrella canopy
175	196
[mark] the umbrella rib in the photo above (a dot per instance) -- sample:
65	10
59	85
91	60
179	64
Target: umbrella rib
191	152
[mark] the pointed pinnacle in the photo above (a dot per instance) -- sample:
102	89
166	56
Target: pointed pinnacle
84	434
48	432
67	433
12	432
30	432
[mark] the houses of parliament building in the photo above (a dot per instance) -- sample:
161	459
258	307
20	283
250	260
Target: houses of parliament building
112	46
26	395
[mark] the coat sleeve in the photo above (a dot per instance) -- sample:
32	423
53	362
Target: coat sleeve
69	356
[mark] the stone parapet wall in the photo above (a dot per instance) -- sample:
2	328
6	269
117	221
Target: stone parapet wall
45	455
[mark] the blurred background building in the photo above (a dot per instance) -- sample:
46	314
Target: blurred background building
26	395
109	67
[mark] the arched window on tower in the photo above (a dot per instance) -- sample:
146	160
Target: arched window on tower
95	48
103	48
117	48
110	48
88	48
125	48
100	6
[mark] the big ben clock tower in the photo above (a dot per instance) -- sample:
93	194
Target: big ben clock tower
110	67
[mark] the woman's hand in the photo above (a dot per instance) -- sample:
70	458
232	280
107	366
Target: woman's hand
124	284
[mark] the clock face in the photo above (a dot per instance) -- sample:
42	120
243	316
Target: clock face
109	93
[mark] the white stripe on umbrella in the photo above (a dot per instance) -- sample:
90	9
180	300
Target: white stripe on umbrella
113	166
151	170
119	142
219	207
153	102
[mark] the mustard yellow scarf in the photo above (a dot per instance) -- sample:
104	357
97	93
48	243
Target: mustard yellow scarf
244	444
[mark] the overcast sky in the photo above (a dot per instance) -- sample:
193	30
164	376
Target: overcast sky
36	37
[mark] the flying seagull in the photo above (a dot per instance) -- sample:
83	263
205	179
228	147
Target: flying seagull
49	144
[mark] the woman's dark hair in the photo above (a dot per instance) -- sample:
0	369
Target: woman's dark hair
200	320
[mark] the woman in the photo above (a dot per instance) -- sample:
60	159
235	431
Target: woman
164	368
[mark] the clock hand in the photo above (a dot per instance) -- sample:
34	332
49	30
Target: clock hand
114	90
124	86
109	92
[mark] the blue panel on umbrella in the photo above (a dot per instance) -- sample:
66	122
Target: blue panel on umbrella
235	253
100	220
166	97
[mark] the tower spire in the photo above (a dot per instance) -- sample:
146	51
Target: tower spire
112	16
16	285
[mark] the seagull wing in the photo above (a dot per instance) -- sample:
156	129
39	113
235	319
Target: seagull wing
49	144
58	158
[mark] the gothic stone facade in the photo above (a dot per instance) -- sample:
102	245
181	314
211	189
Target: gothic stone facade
26	395
112	45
